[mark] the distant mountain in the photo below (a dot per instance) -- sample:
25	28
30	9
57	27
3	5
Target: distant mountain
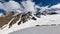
51	11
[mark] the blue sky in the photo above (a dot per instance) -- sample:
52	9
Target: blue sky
43	2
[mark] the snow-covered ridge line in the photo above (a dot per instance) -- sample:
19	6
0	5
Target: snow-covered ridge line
52	20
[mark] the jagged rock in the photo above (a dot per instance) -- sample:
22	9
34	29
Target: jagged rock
38	14
34	18
24	18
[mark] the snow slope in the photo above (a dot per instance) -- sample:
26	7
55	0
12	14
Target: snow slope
44	20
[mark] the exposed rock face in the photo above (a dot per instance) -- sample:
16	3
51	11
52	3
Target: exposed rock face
16	18
21	17
4	20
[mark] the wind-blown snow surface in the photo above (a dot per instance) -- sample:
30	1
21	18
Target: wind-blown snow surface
44	20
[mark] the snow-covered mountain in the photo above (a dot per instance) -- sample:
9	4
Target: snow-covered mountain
15	10
31	23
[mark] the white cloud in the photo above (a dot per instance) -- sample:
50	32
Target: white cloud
29	6
37	6
56	6
12	5
2	6
43	8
